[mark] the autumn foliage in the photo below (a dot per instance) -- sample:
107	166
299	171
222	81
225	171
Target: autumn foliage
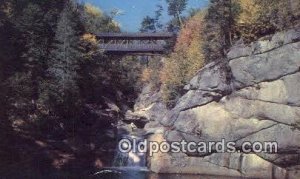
258	18
186	59
209	34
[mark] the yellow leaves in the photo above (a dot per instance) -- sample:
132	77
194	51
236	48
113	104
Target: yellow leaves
195	56
295	7
251	23
171	73
190	32
92	10
96	21
258	18
146	75
89	43
6	8
114	26
186	60
90	38
250	11
188	49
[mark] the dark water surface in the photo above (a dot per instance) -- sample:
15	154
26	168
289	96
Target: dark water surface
143	173
132	165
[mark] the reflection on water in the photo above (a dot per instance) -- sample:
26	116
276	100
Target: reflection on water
132	165
183	176
132	173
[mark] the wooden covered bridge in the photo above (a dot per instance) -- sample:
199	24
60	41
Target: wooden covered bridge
134	43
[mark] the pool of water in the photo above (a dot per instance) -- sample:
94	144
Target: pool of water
143	173
132	165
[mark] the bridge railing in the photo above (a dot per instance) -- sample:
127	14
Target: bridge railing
134	42
132	47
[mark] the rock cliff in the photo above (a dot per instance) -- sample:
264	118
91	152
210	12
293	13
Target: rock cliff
253	95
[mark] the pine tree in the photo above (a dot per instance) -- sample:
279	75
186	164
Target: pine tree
148	25
65	56
158	15
176	8
153	24
220	19
279	14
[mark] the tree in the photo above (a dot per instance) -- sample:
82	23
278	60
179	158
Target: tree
185	61
248	24
54	80
176	8
260	18
249	12
219	23
280	14
95	21
158	15
148	25
152	24
60	91
26	35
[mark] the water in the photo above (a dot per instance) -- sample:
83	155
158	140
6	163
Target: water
132	165
133	159
135	174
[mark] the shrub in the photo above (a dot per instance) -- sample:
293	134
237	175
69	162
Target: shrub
185	61
151	73
259	18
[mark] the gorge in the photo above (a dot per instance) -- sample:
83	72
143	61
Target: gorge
252	96
75	83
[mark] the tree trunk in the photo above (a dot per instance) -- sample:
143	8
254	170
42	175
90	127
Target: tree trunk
179	19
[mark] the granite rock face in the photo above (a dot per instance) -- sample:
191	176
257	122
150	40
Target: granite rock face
150	109
253	95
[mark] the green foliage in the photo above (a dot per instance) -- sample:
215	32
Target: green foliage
278	13
148	24
158	15
227	21
260	18
152	24
26	35
50	65
176	8
94	20
224	22
219	22
61	88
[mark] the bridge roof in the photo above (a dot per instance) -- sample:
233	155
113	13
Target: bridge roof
135	36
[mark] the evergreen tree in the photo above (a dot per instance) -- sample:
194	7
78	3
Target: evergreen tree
62	88
153	24
277	13
158	15
148	25
219	24
176	8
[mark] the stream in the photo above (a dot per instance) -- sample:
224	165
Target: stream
133	165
